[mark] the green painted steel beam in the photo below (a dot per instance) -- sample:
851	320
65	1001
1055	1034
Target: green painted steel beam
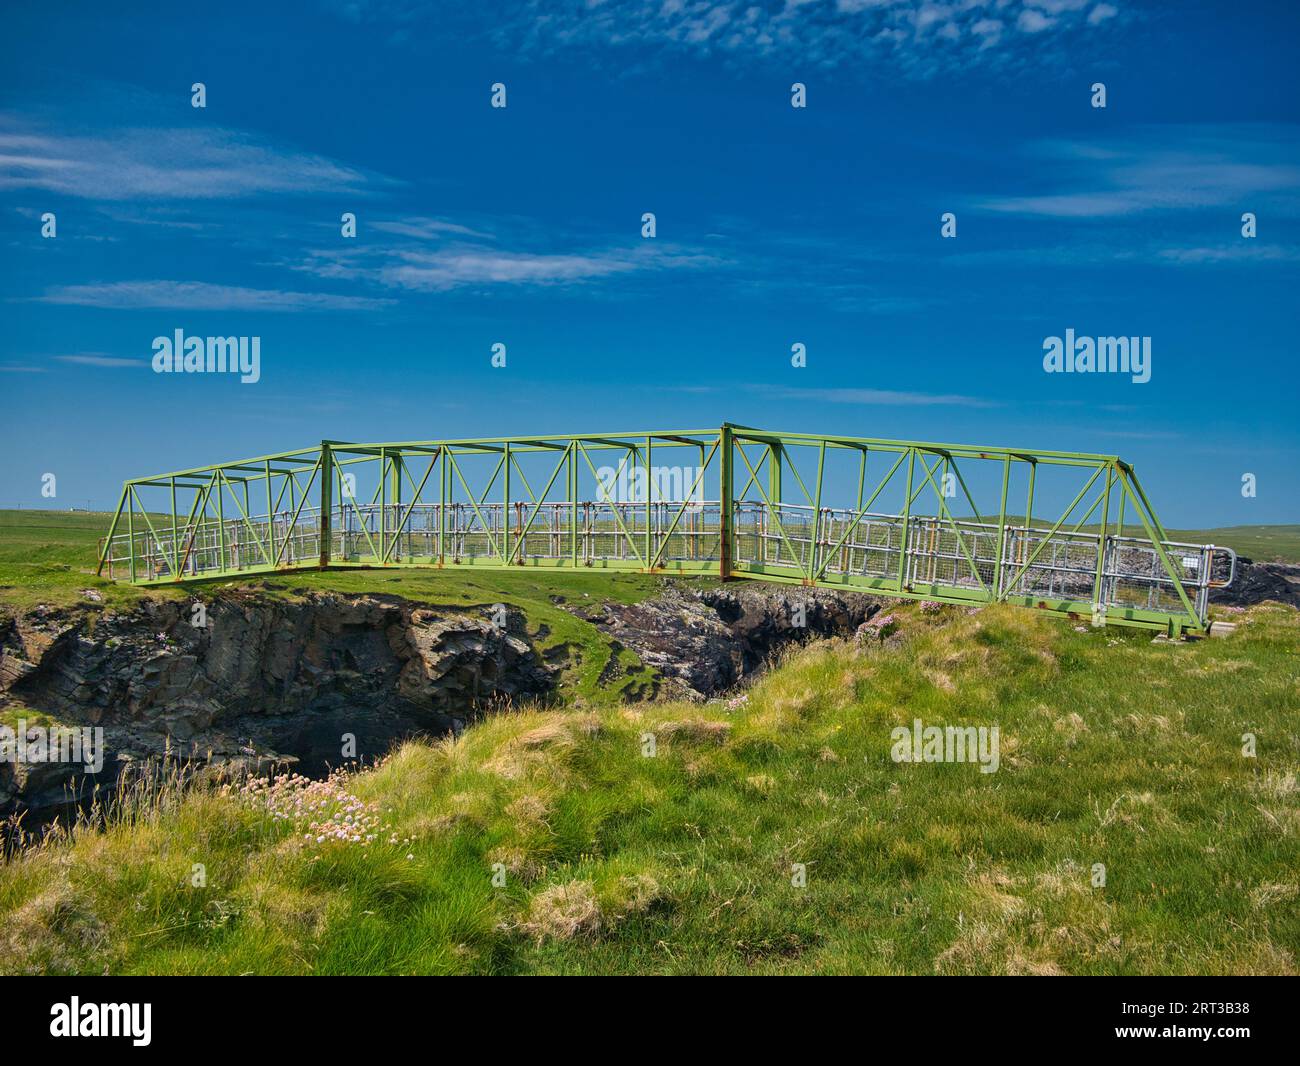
816	542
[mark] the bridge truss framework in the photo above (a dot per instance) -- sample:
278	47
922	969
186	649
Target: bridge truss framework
739	506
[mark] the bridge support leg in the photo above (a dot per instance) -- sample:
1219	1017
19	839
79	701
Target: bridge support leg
726	505
326	504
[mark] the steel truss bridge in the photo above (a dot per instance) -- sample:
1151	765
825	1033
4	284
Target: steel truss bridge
734	502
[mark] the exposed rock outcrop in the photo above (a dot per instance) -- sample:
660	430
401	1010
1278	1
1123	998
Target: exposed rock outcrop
264	679
1257	582
708	639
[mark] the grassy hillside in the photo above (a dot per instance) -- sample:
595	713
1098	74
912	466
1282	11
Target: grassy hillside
1270	544
1114	750
49	556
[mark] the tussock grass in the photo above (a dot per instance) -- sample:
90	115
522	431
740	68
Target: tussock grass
1115	751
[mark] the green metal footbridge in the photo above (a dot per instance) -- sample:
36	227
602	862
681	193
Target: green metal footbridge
953	523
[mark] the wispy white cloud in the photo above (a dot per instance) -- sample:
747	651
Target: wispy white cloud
437	255
1244	252
426	228
1133	251
100	360
917	37
1163	168
455	267
202	296
166	163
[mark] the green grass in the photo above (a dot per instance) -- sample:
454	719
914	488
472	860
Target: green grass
12	714
1115	750
49	557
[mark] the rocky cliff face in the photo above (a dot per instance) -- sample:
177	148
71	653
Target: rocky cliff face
270	680
704	641
263	680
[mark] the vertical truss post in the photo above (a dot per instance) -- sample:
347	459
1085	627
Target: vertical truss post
381	494
726	505
862	480
907	518
1097	589
390	499
326	522
505	507
649	446
1029	499
443	482
175	549
1002	528
573	504
776	460
270	517
130	523
221	518
817	514
397	505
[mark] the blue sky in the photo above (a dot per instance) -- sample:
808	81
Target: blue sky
775	225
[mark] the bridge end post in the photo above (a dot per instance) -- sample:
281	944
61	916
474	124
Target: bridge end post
326	504
726	505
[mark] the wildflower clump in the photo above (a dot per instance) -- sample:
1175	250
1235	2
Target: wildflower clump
319	811
876	629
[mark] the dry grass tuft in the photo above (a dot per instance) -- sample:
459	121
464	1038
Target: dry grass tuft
54	932
639	893
1275	785
1137	810
1264	896
1071	726
563	912
536	749
529	808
